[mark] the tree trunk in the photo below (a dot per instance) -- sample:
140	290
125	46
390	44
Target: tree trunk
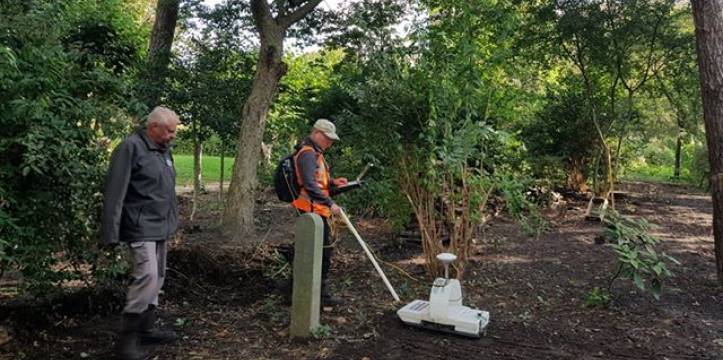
159	49
197	174
604	190
198	165
238	219
221	173
596	171
238	216
708	15
610	181
576	179
678	146
680	114
618	149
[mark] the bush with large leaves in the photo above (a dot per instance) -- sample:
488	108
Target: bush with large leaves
64	71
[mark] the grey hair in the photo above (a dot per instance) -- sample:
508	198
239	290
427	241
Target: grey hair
162	115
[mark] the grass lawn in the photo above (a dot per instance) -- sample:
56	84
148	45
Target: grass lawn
211	169
653	173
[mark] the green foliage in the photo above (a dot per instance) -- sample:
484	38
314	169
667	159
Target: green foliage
209	79
274	309
443	94
182	322
64	80
461	146
598	298
212	146
111	266
279	268
474	95
322	332
378	107
519	206
560	131
612	51
649	172
700	165
301	93
657	158
299	103
638	258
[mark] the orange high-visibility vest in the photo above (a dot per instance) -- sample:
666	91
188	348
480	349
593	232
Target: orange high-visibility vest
304	202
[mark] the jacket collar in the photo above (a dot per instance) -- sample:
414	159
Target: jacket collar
316	147
310	142
149	143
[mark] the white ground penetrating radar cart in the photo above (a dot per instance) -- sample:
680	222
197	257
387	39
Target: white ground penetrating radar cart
444	310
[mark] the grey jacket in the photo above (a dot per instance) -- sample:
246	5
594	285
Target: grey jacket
140	197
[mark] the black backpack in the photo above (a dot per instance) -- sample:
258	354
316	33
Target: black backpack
285	183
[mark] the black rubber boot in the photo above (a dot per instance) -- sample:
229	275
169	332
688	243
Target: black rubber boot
149	333
129	343
326	298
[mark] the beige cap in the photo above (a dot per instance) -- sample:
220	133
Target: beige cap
327	127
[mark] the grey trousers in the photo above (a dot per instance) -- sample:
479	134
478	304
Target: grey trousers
149	271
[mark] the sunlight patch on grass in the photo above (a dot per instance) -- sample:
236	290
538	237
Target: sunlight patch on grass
211	169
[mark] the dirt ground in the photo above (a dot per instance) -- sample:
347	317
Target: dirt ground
224	303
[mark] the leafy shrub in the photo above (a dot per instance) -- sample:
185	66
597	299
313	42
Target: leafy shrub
638	259
58	99
700	165
527	213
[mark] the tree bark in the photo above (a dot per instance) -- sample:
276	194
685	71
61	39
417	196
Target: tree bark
576	179
221	173
238	217
198	165
596	170
159	50
678	146
708	16
197	174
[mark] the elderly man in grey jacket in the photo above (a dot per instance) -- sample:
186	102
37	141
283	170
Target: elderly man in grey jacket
140	209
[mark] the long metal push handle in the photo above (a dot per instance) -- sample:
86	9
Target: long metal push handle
369	255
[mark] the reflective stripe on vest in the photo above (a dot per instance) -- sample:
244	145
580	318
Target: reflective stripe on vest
303	202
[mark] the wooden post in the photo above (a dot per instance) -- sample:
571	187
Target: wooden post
306	298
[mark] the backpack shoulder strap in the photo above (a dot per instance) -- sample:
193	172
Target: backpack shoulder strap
303	149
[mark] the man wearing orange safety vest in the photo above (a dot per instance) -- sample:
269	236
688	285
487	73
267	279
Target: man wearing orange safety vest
315	182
